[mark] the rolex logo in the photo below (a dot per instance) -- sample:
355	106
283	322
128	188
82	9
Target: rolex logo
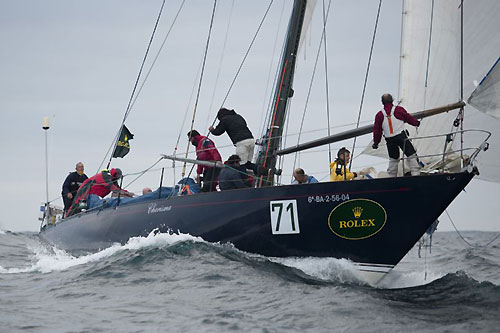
357	211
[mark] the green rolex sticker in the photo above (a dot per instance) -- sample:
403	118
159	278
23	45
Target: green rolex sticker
357	219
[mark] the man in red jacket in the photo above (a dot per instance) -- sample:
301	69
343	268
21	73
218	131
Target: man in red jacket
97	186
390	122
205	151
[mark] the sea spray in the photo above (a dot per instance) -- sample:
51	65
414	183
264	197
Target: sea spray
46	260
326	269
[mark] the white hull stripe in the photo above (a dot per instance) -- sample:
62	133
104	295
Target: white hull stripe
380	268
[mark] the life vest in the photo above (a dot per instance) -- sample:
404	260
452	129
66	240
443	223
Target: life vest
337	172
391	126
186	189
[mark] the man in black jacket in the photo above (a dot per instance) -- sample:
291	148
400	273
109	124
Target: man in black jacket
237	129
71	185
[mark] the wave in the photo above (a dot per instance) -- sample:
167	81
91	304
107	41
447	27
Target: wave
47	260
325	269
451	288
156	248
407	278
140	249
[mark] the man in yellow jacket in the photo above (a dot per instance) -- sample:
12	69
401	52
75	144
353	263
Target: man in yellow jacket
338	169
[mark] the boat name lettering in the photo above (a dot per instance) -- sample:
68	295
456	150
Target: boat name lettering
153	209
328	198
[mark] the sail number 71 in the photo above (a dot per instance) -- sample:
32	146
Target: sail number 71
284	217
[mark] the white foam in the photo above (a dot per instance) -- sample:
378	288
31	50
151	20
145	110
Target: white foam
49	260
405	279
327	269
2	232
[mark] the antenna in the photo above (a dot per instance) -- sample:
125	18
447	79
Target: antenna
45	127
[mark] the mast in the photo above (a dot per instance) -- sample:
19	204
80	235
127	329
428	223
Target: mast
271	140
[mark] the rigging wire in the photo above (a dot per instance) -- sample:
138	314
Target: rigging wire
366	77
401	48
244	58
311	83
267	123
269	74
199	86
157	54
127	111
185	116
326	84
295	134
428	55
462	110
128	174
463	238
277	98
142	173
454	128
282	157
220	65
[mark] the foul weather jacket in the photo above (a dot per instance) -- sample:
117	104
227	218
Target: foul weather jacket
337	172
399	112
235	126
101	184
73	183
206	151
232	177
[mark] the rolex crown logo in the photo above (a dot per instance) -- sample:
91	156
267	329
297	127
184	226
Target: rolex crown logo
357	211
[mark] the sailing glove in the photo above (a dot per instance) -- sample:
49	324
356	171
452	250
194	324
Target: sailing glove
375	146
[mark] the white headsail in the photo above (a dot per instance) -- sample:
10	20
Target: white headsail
431	70
486	97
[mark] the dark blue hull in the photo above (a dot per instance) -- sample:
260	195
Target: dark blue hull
245	218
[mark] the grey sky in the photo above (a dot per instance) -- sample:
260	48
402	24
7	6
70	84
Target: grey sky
76	62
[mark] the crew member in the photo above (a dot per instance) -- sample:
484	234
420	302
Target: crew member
237	129
390	122
205	151
300	177
233	176
71	184
338	169
97	187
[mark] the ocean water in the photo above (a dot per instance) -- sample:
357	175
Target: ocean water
180	283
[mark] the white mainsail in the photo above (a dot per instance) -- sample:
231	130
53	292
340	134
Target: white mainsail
310	6
431	70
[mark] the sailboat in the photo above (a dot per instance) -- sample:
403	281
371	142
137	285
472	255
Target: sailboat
368	222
